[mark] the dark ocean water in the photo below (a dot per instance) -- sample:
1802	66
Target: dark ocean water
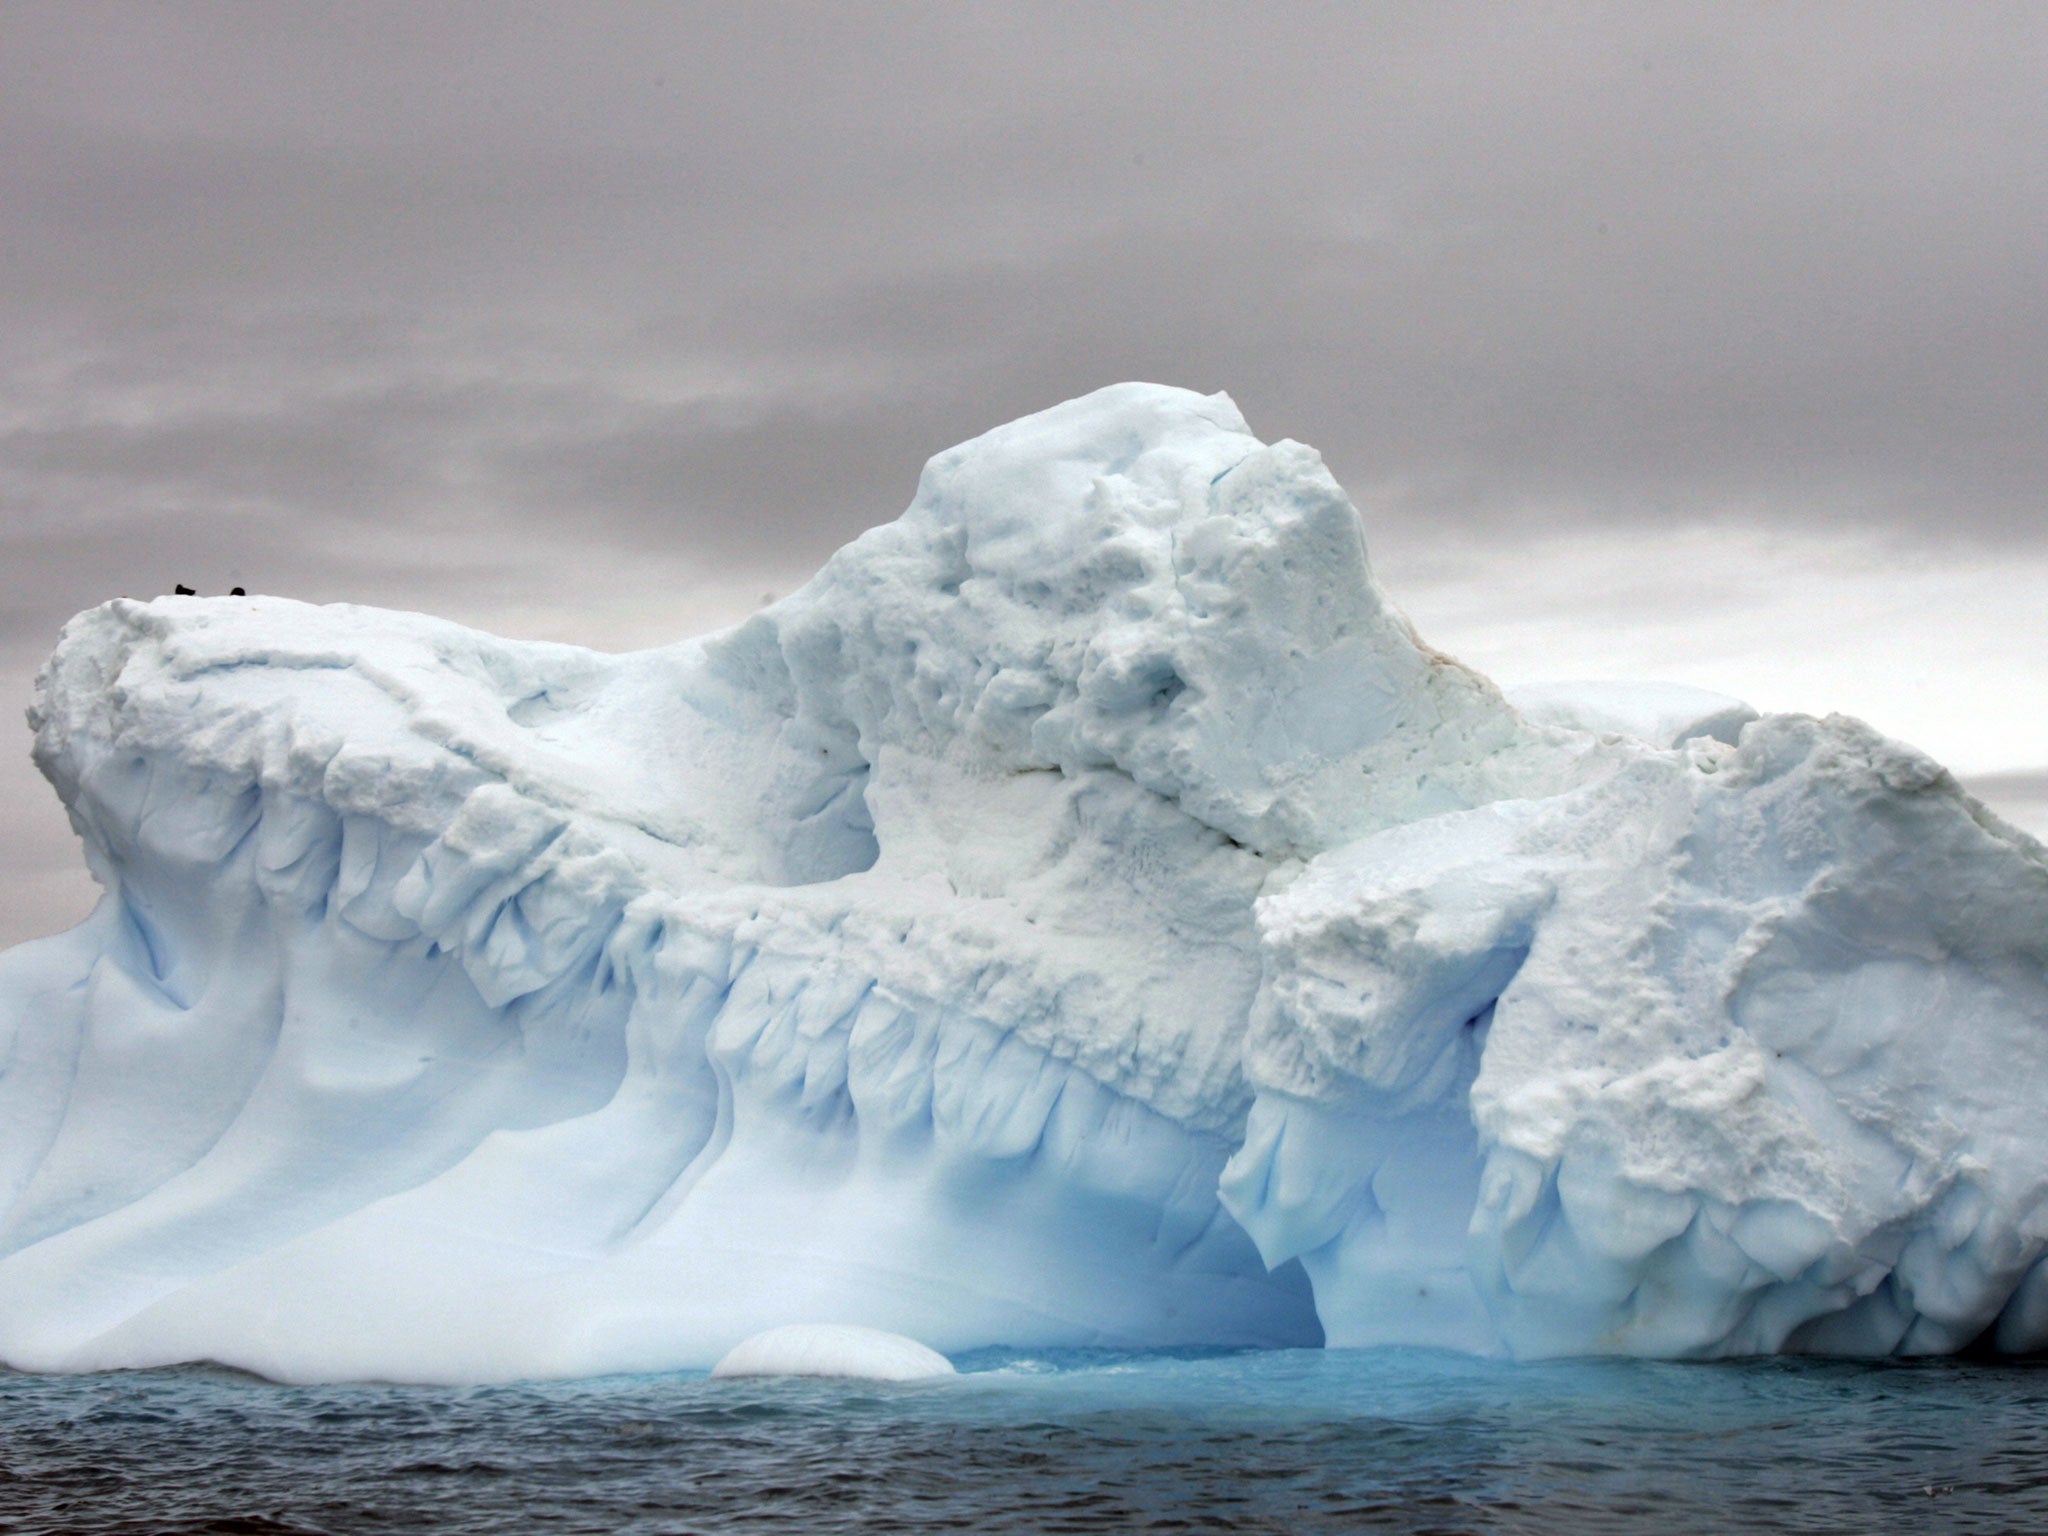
1294	1442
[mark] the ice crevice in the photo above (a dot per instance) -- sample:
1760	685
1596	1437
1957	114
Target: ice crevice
1085	913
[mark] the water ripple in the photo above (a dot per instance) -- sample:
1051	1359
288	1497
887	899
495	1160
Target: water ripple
1285	1442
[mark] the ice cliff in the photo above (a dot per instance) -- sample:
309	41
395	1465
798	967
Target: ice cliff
1086	912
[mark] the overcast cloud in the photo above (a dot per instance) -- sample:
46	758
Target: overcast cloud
1687	341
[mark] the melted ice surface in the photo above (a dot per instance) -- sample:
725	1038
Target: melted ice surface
1085	913
833	1349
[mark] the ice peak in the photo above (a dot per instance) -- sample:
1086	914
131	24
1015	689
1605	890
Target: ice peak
1131	580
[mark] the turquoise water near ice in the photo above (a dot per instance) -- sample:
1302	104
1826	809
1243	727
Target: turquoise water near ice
1290	1442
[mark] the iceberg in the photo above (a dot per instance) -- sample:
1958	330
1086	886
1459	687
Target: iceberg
1085	914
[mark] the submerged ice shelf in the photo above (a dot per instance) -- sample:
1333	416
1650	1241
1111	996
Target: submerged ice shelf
1085	913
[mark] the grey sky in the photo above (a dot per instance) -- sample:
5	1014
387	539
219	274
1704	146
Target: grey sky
601	320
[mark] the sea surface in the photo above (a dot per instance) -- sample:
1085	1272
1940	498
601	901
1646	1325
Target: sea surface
1289	1442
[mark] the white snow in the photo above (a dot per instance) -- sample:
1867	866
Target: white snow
1663	714
833	1349
1082	900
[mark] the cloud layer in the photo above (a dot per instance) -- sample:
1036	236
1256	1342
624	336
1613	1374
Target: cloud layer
601	321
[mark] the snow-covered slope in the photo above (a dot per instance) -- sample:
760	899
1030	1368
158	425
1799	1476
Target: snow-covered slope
1084	899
